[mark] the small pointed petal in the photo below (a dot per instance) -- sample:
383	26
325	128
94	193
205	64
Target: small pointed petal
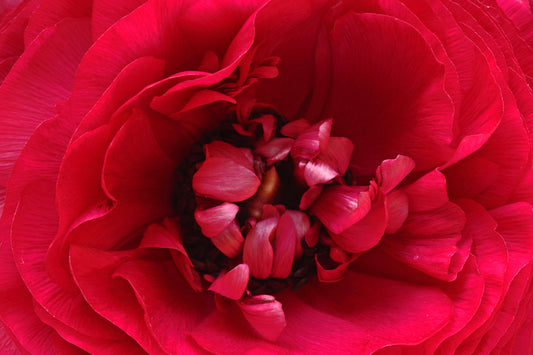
241	156
310	196
311	142
339	207
265	315
337	154
233	283
225	180
366	233
230	242
284	247
398	210
258	253
392	171
214	220
295	128
275	150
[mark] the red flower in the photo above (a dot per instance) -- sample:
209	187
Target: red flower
266	176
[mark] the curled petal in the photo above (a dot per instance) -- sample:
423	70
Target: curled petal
230	241
214	220
258	253
367	232
264	314
339	207
233	283
225	180
311	142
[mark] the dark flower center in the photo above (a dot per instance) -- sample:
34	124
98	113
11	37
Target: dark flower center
244	195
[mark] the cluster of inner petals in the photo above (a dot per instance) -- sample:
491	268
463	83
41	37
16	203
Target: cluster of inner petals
276	203
284	196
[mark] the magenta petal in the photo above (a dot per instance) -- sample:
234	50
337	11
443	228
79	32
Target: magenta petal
339	207
258	253
233	283
275	150
223	179
367	232
398	210
265	315
214	220
392	171
230	241
311	142
284	247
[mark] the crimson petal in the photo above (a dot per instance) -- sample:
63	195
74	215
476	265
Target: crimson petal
339	207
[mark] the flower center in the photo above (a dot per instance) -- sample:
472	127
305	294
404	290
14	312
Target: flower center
252	186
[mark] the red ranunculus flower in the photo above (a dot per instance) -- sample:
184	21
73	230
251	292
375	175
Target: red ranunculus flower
266	176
